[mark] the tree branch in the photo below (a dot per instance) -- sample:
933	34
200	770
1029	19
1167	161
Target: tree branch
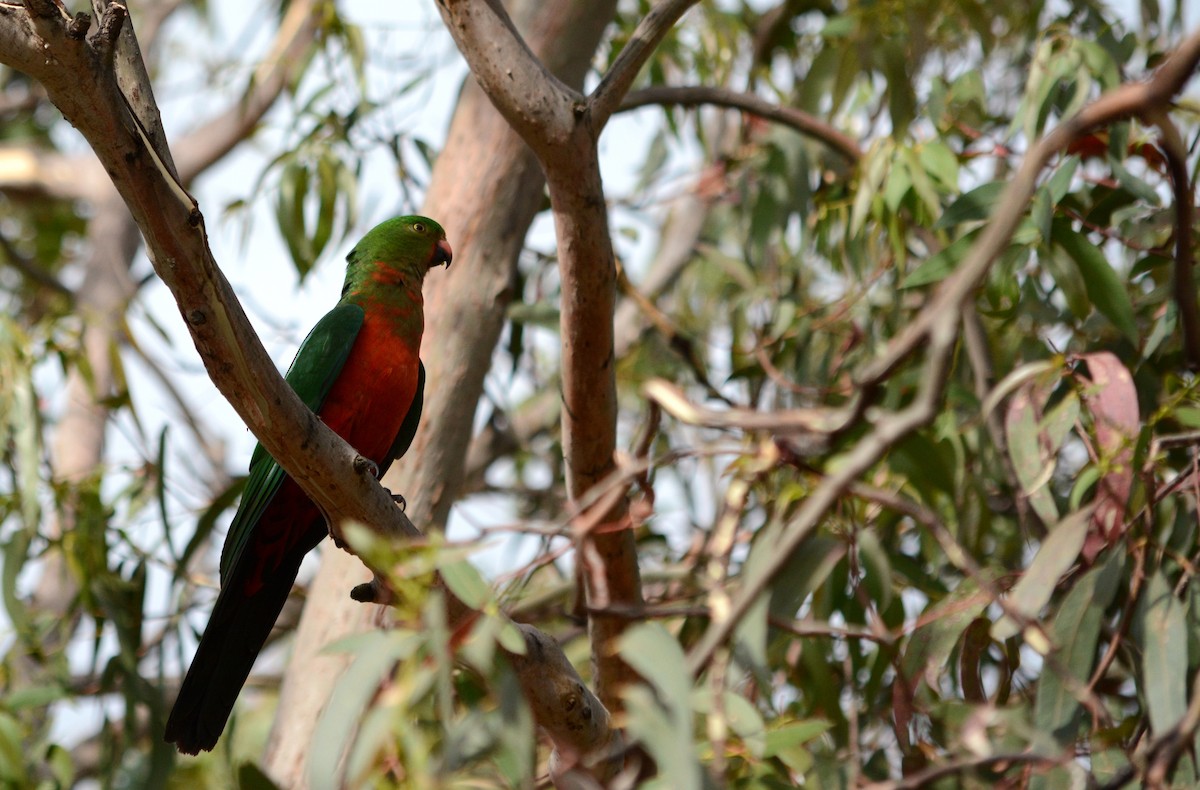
538	106
697	95
555	123
649	33
1185	280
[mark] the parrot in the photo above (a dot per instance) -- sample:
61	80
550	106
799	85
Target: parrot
359	370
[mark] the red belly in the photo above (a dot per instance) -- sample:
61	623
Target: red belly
366	406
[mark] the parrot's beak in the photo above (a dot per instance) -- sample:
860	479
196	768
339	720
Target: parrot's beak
442	254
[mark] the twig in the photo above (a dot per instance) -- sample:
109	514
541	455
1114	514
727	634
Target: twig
611	91
814	421
696	95
927	777
1185	281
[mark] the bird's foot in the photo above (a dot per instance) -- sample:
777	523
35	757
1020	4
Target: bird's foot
362	464
375	591
398	499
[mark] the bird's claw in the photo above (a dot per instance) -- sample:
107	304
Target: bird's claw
362	464
398	499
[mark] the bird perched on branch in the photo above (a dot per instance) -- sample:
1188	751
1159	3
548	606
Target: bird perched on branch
359	370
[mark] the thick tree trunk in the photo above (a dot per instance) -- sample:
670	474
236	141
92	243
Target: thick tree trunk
485	190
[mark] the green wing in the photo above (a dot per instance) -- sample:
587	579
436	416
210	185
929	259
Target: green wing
312	374
408	429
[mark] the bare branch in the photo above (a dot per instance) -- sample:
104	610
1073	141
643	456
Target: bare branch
815	421
585	741
607	96
698	95
1185	280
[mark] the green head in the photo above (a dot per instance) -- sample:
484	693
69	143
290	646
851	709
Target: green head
398	250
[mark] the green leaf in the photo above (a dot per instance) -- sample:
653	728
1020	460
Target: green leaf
289	215
465	582
876	164
375	655
1134	185
928	650
938	267
971	206
878	576
1059	184
745	722
34	697
1024	446
940	163
327	200
12	754
1075	633
1164	661
1055	557
658	658
1104	287
663	721
781	737
207	521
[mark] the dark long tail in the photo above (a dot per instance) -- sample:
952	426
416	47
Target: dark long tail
236	632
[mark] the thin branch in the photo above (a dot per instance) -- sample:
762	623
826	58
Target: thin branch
814	421
1185	281
698	95
932	774
29	267
609	94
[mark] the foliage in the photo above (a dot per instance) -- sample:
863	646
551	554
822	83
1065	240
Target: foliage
1008	597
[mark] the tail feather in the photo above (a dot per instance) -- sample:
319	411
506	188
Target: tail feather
236	632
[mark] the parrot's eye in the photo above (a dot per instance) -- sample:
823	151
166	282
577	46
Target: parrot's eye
419	227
